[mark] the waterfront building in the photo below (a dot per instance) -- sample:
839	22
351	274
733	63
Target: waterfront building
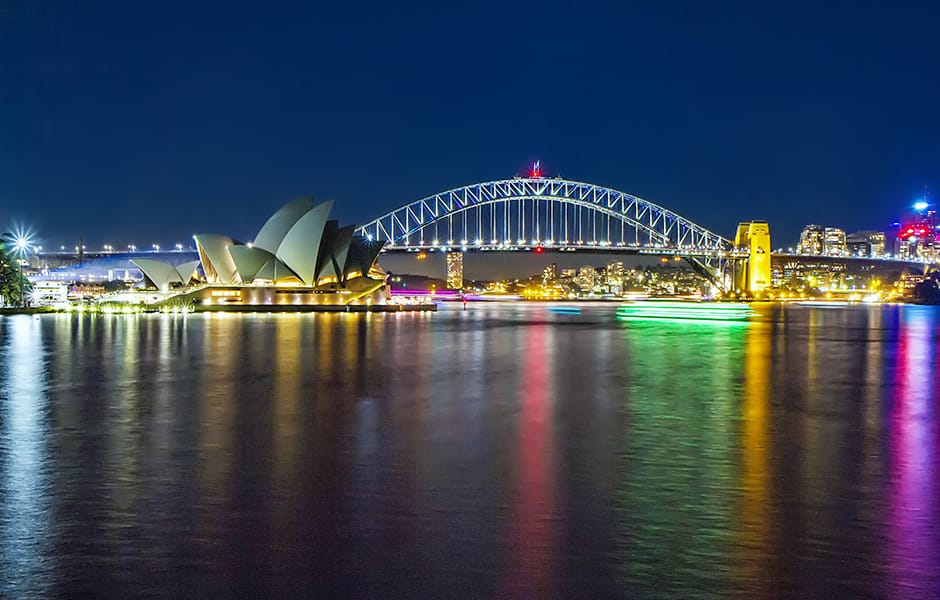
455	270
300	257
162	275
615	272
586	278
50	293
550	273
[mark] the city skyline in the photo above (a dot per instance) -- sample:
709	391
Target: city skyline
757	113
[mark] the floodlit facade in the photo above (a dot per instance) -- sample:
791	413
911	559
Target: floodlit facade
812	240
866	243
298	257
162	275
455	270
835	241
753	275
50	293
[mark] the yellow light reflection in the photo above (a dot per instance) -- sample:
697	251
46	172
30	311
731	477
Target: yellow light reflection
287	389
755	524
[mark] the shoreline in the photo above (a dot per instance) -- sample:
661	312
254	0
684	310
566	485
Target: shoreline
395	308
275	308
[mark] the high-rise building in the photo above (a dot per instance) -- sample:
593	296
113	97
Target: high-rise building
835	242
586	278
876	241
615	275
550	273
856	244
615	272
918	236
866	243
455	270
812	240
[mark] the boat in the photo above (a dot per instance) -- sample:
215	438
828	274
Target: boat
685	310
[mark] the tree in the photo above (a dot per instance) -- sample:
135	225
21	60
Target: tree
928	290
11	278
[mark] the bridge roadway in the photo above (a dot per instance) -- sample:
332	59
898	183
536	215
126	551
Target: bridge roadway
54	260
57	259
855	265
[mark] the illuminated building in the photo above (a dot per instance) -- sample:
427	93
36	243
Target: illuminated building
615	273
811	240
752	275
50	293
567	274
162	275
299	257
876	241
550	273
866	243
585	279
834	241
918	236
455	270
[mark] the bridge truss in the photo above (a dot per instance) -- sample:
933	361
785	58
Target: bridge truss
525	213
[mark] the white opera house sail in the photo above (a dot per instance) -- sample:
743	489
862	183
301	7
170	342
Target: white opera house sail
298	258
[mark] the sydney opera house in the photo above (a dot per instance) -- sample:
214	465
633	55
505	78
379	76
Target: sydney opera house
299	258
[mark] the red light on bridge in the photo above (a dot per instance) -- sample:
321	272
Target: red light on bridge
536	169
539	249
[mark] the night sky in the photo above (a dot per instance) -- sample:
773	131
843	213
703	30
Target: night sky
150	123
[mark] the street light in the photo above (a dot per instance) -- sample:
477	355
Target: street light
21	245
179	247
156	247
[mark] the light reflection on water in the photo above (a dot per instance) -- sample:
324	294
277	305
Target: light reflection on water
25	466
913	491
501	451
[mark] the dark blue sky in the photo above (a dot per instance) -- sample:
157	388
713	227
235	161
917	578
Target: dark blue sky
151	123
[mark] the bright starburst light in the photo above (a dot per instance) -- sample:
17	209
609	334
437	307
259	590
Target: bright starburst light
21	240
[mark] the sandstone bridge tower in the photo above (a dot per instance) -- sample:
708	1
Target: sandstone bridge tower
751	272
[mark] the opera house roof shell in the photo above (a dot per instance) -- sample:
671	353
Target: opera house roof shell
298	245
161	274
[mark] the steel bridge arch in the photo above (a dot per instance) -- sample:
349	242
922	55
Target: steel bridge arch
672	231
660	237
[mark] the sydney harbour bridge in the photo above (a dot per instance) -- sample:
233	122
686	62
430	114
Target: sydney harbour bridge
537	213
540	213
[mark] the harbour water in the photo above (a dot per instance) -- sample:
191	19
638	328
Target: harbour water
503	451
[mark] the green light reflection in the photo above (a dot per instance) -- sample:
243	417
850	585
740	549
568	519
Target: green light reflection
678	491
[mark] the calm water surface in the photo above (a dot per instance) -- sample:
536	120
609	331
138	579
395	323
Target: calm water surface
506	451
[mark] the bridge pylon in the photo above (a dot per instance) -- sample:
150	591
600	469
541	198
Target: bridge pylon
751	269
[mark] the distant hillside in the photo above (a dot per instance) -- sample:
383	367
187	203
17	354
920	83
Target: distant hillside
400	281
